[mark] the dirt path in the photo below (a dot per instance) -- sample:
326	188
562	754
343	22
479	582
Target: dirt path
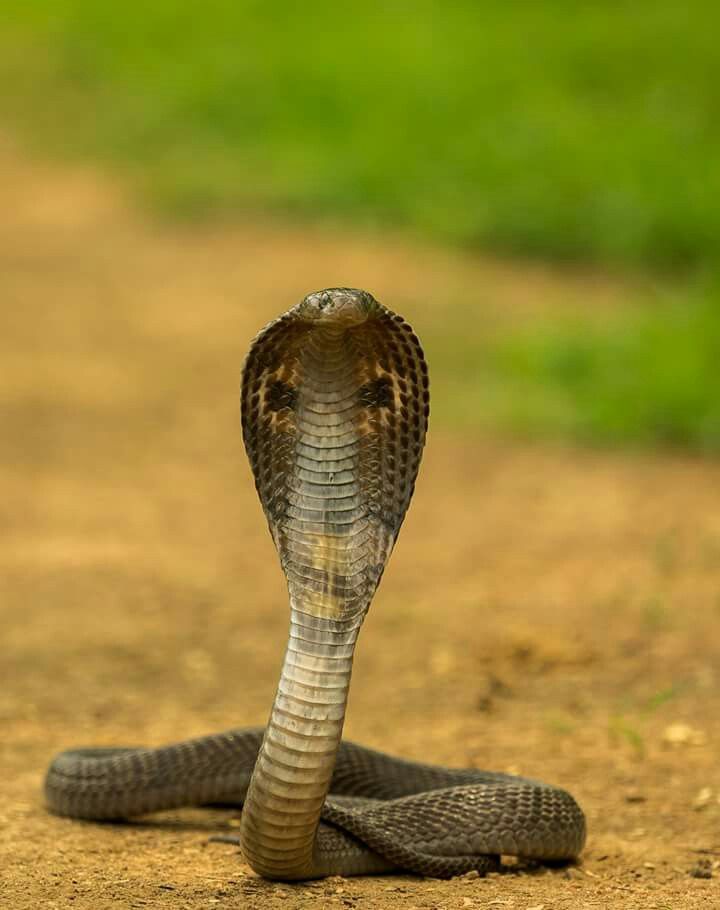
549	611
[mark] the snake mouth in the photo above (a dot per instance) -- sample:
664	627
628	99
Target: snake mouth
339	306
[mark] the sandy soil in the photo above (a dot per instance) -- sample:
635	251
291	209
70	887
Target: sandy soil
549	611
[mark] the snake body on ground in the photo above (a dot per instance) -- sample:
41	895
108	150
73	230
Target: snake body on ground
335	407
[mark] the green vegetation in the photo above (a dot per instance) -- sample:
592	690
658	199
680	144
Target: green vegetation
555	128
547	127
662	697
647	375
621	729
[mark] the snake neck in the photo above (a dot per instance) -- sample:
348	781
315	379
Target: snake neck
295	764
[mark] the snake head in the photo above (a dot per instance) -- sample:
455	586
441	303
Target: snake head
341	306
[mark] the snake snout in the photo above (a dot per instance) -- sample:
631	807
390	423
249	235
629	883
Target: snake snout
346	306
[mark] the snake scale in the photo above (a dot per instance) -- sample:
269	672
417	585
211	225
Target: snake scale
335	407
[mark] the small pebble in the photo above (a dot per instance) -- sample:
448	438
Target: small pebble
702	869
702	799
683	735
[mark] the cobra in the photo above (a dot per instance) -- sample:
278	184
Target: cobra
335	408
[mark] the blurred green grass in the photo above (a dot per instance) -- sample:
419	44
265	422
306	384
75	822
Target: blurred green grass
644	376
554	128
544	127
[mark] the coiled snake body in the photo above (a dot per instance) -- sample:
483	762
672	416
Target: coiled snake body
334	414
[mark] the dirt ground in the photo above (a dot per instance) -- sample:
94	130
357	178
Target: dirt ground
548	611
